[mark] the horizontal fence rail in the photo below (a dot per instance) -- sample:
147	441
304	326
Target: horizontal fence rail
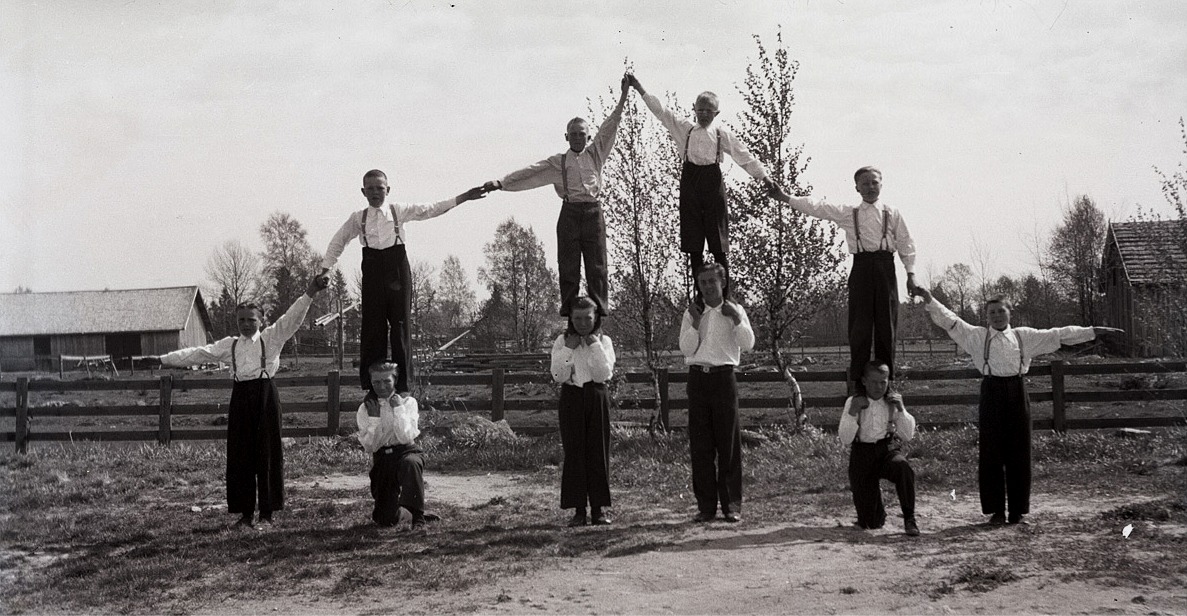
498	403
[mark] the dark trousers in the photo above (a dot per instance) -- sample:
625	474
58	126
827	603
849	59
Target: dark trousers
869	463
873	310
1003	468
255	460
581	234
715	441
585	437
386	306
397	480
703	216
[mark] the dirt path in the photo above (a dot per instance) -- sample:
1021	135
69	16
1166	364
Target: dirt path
812	565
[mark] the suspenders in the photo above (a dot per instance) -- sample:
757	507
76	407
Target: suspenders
395	221
688	138
885	227
988	337
890	427
235	364
565	175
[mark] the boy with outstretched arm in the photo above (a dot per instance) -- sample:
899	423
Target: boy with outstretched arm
576	175
874	433
387	279
712	340
388	427
255	459
1003	354
702	145
874	232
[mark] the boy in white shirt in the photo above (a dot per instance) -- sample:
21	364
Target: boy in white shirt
874	432
386	302
582	362
255	458
388	427
712	340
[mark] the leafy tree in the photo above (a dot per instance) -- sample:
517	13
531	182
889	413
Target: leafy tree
456	300
288	260
957	281
1074	255
639	197
517	269
424	297
790	265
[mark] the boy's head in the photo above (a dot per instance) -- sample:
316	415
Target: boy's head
375	187
577	134
706	108
997	312
584	318
383	378
868	181
876	379
711	282
249	318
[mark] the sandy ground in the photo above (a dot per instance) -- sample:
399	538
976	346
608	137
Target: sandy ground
810	565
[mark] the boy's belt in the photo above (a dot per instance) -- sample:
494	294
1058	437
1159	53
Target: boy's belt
710	369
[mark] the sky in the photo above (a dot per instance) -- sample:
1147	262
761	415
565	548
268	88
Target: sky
140	136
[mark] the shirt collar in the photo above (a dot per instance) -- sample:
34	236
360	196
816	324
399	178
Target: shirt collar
877	205
251	338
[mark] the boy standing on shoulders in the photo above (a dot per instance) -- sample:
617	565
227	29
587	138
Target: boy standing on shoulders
387	278
576	175
703	146
875	432
255	458
712	340
874	231
1003	355
388	428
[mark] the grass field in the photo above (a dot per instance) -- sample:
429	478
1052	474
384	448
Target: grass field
88	528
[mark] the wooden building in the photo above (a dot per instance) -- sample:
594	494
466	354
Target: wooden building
38	328
1143	270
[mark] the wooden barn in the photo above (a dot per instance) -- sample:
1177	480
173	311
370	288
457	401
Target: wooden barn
1142	276
37	328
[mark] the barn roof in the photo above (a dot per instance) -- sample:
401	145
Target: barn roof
1148	250
99	312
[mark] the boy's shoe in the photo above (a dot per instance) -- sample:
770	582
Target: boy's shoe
578	519
733	518
1017	518
701	516
601	519
244	522
997	519
911	528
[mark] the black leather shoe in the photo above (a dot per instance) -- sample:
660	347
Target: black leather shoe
997	519
704	517
910	527
577	520
601	520
1018	519
733	518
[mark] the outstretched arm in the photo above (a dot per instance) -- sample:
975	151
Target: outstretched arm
475	193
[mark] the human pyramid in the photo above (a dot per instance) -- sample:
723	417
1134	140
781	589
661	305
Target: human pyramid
713	334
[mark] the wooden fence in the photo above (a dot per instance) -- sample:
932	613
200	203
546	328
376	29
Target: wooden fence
497	405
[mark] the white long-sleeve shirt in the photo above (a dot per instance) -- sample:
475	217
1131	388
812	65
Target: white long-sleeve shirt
705	146
398	425
593	362
873	423
247	351
1005	352
582	170
870	220
717	341
382	232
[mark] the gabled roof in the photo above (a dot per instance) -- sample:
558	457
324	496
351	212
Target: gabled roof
1149	250
99	312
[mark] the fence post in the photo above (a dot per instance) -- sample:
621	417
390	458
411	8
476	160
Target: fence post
60	369
1058	406
333	401
22	415
496	394
664	405
165	426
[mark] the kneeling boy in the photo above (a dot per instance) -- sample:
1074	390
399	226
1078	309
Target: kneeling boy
388	428
875	431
